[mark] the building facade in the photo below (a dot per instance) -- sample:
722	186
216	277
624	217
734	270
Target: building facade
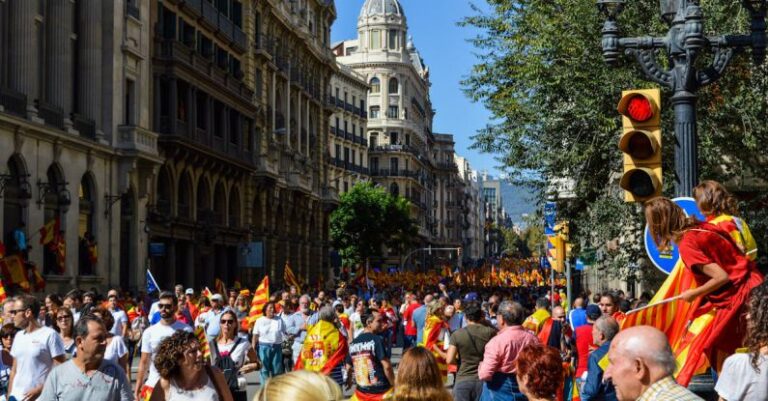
474	216
76	140
347	141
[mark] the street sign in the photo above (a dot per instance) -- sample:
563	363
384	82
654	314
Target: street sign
666	259
550	217
580	264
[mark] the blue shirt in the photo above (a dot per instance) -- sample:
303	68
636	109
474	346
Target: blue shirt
293	325
212	324
577	317
594	388
21	239
419	319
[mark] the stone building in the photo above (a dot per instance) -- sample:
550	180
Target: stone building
348	141
474	212
448	194
75	135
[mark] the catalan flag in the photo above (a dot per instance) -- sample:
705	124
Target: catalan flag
50	231
260	298
205	348
290	278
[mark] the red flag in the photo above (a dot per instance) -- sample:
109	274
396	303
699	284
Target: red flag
3	296
290	278
50	231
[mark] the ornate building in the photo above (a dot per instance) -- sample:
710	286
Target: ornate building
75	135
348	142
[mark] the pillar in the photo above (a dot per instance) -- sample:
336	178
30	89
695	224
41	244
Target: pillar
173	109
59	56
309	133
23	63
288	111
273	102
298	122
89	99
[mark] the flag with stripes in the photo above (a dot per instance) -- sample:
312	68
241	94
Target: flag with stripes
3	295
50	231
205	348
260	298
12	269
290	278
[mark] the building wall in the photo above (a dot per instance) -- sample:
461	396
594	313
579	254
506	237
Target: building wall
348	141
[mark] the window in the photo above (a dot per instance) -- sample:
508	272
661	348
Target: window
338	151
129	102
392	112
407	139
374	164
346	154
375	39
247	138
354	129
394	165
354	157
201	111
373	141
393	39
393	138
394	86
346	186
375	86
375	111
394	189
345	97
234	127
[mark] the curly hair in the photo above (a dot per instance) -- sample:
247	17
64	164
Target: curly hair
419	378
541	369
757	324
713	199
170	353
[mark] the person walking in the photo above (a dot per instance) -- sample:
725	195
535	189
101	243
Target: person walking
296	326
268	333
435	333
369	364
585	343
35	350
64	325
595	388
497	369
184	373
230	353
212	325
88	376
540	372
467	344
325	347
116	351
151	340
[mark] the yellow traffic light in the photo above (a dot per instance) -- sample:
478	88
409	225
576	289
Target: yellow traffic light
558	253
641	144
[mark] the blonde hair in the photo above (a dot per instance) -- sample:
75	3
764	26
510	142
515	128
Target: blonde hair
300	385
419	378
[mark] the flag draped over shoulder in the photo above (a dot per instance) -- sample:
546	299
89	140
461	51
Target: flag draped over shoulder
290	278
323	350
433	339
260	298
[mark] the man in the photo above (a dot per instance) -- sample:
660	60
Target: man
497	369
296	325
88	376
608	303
35	350
120	328
325	330
178	290
419	317
212	326
232	298
189	296
368	363
8	306
595	388
578	316
74	301
150	341
410	334
468	344
641	367
539	318
585	342
285	298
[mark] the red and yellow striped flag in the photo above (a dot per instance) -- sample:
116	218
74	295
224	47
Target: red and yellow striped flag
205	348
260	298
3	296
12	268
290	278
50	231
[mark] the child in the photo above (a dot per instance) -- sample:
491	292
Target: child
719	207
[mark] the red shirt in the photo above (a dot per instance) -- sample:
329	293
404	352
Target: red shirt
584	346
410	326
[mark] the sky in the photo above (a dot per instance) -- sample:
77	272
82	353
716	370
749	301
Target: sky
450	58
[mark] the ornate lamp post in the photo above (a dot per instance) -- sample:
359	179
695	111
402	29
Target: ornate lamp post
684	43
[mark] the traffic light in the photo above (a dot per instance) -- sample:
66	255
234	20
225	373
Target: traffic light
641	144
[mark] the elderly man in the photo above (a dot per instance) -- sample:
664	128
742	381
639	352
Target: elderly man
106	381
498	366
296	325
641	367
595	389
325	346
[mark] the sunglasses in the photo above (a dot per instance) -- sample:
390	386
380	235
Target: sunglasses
63	318
227	321
165	306
15	311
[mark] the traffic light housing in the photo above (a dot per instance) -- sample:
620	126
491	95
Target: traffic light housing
641	144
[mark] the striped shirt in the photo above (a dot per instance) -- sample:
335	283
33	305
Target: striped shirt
667	389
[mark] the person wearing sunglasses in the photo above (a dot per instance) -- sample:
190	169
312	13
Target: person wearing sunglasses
151	339
230	352
6	360
35	350
63	325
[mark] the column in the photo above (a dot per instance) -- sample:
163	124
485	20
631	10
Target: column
273	102
3	49
384	96
89	62
173	109
309	133
288	112
23	61
58	59
298	121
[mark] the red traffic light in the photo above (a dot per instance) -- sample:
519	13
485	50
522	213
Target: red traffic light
639	108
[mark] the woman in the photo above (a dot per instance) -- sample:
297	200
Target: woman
719	207
268	334
745	375
436	335
64	324
354	319
116	350
184	374
229	345
419	378
387	310
52	304
7	333
539	372
300	385
723	275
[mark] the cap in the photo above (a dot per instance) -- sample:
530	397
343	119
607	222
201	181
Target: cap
594	312
217	297
472	296
189	291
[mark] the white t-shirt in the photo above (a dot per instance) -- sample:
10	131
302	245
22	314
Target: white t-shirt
115	350
738	381
121	320
150	341
357	324
34	353
270	331
238	354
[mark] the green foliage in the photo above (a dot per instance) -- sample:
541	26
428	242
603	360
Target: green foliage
553	101
367	219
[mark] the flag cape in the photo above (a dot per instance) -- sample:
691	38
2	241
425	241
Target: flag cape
151	283
260	298
433	340
536	321
324	348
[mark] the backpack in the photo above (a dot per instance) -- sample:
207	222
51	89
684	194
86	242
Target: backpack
227	366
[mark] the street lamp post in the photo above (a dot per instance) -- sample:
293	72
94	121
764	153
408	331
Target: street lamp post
684	44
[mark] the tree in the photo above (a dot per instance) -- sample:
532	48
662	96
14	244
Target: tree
553	102
369	218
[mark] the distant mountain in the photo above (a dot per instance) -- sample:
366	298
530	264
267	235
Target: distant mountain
517	201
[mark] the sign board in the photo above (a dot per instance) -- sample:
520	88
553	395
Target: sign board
580	266
666	259
251	255
157	249
550	217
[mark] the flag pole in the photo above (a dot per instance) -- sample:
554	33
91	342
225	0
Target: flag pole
662	302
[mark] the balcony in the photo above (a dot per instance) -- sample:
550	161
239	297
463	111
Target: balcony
194	7
13	102
225	28
85	126
396	148
133	10
52	115
240	40
395	173
132	138
210	15
449	166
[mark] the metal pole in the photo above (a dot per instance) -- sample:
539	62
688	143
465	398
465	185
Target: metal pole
568	285
686	146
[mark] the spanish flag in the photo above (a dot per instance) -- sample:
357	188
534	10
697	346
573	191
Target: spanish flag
37	280
60	248
50	231
206	293
260	298
290	278
433	339
3	296
323	350
12	268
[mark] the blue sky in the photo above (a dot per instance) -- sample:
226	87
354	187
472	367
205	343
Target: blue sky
444	46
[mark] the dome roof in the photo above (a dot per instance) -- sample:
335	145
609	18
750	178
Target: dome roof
381	7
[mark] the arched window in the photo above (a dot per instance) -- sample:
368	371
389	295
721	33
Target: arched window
394	189
394	86
57	201
164	192
375	85
87	255
203	205
15	201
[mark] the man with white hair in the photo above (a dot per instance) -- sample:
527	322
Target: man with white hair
296	325
641	367
595	388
